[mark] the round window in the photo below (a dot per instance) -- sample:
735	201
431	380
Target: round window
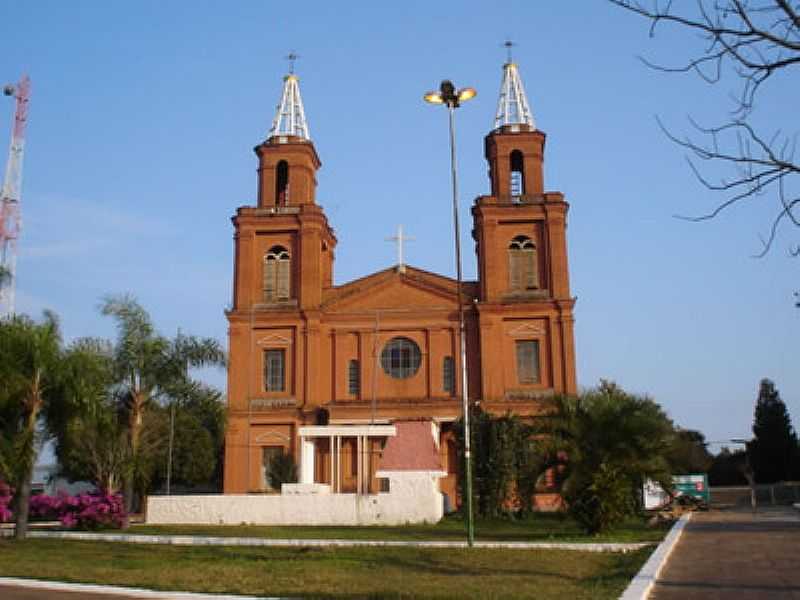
400	358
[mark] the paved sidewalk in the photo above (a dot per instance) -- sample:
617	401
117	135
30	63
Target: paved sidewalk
199	540
18	593
734	554
29	589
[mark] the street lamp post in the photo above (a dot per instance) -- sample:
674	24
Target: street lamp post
452	99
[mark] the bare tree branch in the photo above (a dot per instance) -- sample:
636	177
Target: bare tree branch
753	41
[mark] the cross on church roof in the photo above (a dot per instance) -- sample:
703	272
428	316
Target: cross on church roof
399	239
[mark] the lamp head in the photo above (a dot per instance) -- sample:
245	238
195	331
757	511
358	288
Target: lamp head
448	95
447	89
467	93
433	98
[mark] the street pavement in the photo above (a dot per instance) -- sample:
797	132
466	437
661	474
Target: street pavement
734	554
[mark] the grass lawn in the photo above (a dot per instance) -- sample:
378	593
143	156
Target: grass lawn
539	527
328	572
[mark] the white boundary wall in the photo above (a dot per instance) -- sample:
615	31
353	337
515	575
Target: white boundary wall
414	497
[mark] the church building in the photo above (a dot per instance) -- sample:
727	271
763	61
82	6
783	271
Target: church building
323	371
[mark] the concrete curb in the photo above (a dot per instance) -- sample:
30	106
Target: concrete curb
111	590
192	540
640	586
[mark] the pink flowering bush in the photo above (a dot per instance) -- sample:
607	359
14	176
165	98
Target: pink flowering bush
44	507
95	510
88	511
6	492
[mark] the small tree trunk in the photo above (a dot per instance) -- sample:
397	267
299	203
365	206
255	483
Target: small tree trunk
127	493
135	430
26	459
22	505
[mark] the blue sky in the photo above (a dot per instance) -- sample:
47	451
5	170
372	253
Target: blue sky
144	116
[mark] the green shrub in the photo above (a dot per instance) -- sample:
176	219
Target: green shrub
282	469
603	501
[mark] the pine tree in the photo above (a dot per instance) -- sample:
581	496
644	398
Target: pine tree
774	444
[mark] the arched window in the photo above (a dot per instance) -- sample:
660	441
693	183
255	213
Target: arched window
282	184
517	175
277	274
523	268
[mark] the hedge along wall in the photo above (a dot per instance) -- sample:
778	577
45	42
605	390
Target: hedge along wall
505	467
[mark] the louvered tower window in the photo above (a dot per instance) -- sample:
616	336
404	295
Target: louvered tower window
277	274
523	268
528	361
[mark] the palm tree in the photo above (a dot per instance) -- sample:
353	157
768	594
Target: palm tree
90	437
30	355
5	275
149	367
603	445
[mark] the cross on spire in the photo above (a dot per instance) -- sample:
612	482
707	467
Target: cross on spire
292	58
399	239
508	44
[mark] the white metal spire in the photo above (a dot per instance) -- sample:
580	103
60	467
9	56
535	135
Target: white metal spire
290	118
513	107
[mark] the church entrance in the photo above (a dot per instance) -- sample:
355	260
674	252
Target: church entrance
347	463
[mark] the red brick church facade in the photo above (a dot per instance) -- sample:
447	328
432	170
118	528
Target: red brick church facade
384	348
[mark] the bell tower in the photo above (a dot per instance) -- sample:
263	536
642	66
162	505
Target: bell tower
283	263
284	245
514	148
520	235
287	160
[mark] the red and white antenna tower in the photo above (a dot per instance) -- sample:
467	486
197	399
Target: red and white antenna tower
10	219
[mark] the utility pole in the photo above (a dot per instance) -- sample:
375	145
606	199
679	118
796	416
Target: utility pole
171	440
11	195
172	419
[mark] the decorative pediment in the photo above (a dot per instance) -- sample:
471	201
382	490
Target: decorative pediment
271	436
273	340
392	290
267	403
528	329
522	395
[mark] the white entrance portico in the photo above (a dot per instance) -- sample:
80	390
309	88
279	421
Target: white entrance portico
334	434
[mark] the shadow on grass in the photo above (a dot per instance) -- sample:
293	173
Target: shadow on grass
329	572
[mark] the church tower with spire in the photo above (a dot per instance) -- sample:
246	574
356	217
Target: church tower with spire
524	303
283	262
